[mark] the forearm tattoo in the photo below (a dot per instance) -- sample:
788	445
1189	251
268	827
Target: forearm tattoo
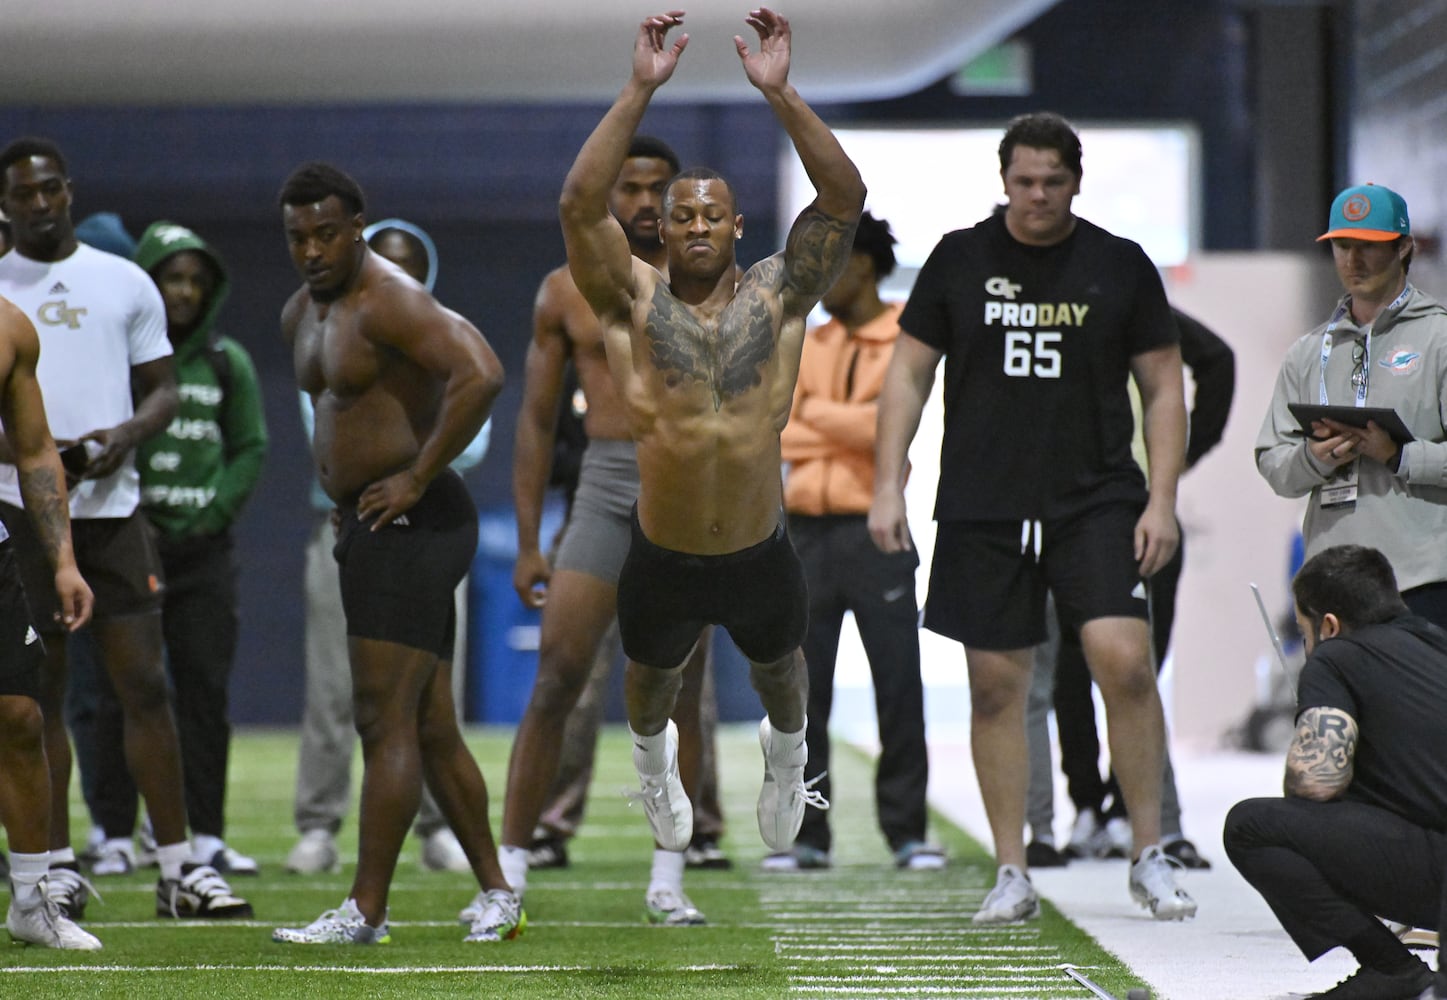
729	356
818	247
47	510
1319	763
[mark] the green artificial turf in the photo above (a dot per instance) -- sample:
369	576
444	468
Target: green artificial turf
859	930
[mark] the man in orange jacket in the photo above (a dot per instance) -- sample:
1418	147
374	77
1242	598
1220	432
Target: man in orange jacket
828	447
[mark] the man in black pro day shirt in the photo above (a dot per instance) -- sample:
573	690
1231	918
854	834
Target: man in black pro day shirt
1042	318
1362	830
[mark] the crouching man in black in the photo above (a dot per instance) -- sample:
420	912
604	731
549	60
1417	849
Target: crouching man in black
1361	832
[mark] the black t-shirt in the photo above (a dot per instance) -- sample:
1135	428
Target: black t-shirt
1392	679
1038	343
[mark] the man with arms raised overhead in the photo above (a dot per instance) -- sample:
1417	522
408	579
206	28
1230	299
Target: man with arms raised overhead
705	364
400	385
578	592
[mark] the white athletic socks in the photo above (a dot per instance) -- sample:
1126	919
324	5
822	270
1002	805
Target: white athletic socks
171	857
26	871
650	754
667	871
514	864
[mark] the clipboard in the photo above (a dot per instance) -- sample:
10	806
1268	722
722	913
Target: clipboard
1353	416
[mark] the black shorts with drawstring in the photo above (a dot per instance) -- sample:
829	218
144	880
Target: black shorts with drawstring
989	579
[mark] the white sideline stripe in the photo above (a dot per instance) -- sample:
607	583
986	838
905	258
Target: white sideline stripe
103	925
380	970
993	991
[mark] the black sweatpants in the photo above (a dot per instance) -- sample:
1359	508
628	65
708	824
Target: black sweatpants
846	572
1329	870
199	619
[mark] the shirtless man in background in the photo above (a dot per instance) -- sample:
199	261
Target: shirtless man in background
705	364
400	386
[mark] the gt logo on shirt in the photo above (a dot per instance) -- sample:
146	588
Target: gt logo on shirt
1032	353
59	314
1003	287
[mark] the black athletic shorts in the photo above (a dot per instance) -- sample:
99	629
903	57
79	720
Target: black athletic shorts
22	654
116	556
987	584
398	583
666	598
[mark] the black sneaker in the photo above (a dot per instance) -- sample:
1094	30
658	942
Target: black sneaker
1039	854
1185	852
200	893
704	852
1371	984
548	852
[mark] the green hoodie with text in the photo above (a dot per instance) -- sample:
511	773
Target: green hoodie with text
197	473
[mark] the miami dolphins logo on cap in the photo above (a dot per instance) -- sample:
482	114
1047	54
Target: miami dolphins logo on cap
1357	208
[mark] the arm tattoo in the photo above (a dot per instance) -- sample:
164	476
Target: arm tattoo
729	356
1319	763
817	250
49	513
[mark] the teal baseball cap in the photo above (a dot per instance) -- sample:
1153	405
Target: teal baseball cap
1368	212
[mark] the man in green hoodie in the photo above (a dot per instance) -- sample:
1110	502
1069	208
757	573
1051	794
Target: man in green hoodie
194	478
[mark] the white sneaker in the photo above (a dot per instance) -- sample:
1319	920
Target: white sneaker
784	796
441	852
1153	885
314	853
1012	900
344	925
669	907
41	922
1118	838
115	856
500	917
1087	837
665	803
229	861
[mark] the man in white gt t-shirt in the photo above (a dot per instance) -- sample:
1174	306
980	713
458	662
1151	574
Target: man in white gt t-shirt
102	330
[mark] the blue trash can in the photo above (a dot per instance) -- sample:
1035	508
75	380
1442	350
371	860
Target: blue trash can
502	632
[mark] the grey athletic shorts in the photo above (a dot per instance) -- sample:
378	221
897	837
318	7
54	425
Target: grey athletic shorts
600	525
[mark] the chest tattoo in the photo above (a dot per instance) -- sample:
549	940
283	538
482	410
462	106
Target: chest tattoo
728	354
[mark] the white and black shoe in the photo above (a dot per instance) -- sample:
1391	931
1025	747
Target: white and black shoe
199	894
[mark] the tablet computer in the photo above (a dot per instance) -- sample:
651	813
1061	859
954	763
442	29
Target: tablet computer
1353	416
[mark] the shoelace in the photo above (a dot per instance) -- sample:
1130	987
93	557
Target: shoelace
71	880
205	881
812	797
495	906
654	790
1171	862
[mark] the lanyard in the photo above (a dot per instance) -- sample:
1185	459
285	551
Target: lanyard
1326	339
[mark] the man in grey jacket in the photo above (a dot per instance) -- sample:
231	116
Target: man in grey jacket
1385	345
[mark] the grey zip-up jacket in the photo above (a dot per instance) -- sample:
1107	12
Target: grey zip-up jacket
1403	513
